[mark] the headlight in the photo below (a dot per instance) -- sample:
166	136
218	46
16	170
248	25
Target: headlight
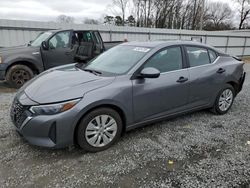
53	108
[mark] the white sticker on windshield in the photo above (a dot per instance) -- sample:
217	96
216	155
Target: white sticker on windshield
141	49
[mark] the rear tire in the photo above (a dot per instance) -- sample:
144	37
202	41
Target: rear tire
18	75
99	129
224	100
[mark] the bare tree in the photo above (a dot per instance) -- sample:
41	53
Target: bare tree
196	8
219	13
163	15
202	14
122	5
244	11
177	14
65	19
137	5
184	12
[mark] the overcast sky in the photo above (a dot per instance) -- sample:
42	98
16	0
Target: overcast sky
48	10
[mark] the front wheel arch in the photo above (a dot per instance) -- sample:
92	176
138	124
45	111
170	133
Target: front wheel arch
25	63
113	107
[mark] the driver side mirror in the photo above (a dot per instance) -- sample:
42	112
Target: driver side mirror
150	72
45	45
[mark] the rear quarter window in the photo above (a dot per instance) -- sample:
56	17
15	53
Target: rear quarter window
212	55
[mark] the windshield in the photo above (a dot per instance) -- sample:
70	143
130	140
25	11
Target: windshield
118	60
40	38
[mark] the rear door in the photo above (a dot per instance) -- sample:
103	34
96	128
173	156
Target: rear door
205	79
160	96
60	50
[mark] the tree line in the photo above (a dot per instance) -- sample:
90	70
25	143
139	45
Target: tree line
177	14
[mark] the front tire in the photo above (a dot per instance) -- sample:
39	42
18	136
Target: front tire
18	75
224	100
99	129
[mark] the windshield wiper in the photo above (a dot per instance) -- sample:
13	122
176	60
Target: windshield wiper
93	71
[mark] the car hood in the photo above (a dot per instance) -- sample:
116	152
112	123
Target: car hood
63	83
14	49
18	51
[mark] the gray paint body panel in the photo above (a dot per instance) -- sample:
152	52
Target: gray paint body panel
141	100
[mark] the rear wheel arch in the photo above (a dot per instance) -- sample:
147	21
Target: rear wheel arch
111	106
234	85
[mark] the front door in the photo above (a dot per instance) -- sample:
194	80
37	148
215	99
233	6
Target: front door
60	51
160	96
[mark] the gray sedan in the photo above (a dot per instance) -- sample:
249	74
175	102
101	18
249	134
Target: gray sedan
128	86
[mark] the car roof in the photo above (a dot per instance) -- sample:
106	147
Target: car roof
77	30
154	44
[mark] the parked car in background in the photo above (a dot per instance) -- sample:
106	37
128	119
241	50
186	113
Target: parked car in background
130	85
50	49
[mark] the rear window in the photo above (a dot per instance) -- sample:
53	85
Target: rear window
197	56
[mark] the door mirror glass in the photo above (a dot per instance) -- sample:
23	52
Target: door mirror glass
45	45
150	72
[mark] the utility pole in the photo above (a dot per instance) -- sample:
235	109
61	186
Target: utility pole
202	14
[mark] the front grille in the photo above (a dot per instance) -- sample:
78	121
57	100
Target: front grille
18	114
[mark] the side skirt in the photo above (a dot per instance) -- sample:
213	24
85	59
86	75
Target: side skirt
166	117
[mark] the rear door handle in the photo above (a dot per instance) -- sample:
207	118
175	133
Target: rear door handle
182	79
220	70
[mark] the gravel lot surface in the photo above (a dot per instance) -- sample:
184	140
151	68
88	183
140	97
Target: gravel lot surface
195	150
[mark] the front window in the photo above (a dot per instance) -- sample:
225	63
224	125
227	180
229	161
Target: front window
166	60
197	56
42	37
118	60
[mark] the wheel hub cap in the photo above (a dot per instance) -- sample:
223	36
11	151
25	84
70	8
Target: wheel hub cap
101	130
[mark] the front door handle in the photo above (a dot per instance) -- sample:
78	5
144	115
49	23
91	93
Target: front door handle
182	79
220	70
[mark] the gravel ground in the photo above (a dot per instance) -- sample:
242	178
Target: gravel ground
195	150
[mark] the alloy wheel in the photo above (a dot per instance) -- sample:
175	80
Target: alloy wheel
225	100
